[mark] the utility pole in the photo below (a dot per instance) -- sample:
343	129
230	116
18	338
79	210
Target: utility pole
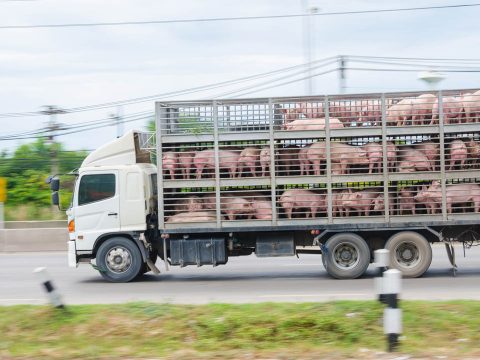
52	127
342	73
118	121
307	42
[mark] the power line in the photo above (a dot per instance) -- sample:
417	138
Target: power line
183	21
167	95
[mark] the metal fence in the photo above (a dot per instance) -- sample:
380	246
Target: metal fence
392	157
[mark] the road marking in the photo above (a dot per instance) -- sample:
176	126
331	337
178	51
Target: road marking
314	295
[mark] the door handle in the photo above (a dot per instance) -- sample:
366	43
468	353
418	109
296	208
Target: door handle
112	214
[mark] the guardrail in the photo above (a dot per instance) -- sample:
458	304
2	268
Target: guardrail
26	236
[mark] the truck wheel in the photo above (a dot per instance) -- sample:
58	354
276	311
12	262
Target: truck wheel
347	256
410	253
119	260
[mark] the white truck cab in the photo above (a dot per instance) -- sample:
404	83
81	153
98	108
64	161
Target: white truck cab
114	195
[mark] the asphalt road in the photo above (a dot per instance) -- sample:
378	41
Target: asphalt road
242	280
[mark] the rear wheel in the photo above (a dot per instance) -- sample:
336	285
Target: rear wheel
346	256
119	260
410	253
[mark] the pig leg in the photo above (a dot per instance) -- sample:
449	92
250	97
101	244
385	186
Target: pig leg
253	170
316	167
172	174
240	171
233	171
199	171
313	211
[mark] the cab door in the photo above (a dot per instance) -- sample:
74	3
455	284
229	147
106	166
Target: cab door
97	207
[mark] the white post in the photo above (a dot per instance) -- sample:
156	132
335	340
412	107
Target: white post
53	294
388	287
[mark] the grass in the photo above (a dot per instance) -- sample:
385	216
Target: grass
220	331
32	213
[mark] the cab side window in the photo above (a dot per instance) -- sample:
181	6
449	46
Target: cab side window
95	188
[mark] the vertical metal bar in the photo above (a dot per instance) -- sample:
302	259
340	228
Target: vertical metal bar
329	162
217	163
273	179
386	195
442	154
160	112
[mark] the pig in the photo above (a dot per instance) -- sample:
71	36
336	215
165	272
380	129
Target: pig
313	124
346	155
361	201
416	157
463	193
265	160
311	111
458	154
169	163
249	158
233	206
302	199
375	156
399	113
347	111
371	113
262	208
208	202
391	156
406	200
406	166
228	159
190	204
431	151
290	115
185	160
471	106
337	202
473	148
199	216
456	194
422	108
287	159
315	155
305	165
452	110
379	204
431	197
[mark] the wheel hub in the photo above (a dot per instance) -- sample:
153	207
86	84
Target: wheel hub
407	254
118	259
346	255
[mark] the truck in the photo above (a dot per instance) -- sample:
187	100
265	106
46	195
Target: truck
339	176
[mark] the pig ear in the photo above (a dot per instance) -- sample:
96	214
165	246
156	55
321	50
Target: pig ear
284	110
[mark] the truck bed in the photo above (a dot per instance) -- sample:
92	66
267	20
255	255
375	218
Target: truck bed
230	126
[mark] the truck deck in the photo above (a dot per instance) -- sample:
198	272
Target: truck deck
227	127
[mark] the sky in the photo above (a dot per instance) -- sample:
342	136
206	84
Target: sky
73	67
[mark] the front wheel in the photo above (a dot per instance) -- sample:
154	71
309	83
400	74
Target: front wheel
410	253
346	256
119	260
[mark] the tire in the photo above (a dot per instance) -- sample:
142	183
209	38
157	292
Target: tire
119	260
410	253
347	256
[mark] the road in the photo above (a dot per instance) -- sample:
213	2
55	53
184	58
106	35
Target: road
242	280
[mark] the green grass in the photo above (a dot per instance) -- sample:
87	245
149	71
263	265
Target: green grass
32	213
284	331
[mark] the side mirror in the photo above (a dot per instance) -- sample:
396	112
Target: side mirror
55	198
55	184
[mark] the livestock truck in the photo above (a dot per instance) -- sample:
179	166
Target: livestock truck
339	176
